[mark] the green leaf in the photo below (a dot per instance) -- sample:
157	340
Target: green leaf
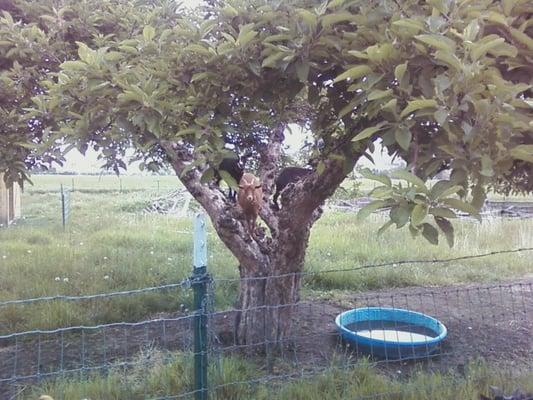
379	94
230	180
449	58
441	115
380	192
246	38
399	71
331	19
442	212
148	33
504	50
273	59
497	18
380	178
471	31
113	56
419	213
128	49
246	34
200	76
403	137
414	105
410	24
30	146
440	42
480	49
353	73
230	11
308	17
370	208
442	6
443	188
390	106
358	54
277	38
74	66
129	96
208	176
380	52
348	108
85	53
462	206
446	227
366	133
187	131
400	215
8	18
523	152
198	49
335	3
508	6
430	233
411	178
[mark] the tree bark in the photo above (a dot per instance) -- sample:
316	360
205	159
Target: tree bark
269	292
265	319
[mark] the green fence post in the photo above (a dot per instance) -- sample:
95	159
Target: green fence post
62	206
65	206
200	279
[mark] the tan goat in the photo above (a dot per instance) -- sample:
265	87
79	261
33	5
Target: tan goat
250	198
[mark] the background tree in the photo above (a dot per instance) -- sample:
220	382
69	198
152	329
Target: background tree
445	85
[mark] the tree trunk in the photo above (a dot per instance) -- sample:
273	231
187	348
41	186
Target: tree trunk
266	302
270	292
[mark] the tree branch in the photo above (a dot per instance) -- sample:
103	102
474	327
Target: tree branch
226	217
270	155
300	201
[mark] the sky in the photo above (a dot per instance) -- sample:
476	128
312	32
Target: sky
89	163
294	140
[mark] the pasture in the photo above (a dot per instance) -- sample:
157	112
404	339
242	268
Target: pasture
111	245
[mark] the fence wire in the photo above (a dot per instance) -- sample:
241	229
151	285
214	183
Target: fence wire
153	358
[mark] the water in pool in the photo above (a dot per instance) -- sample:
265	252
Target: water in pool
392	331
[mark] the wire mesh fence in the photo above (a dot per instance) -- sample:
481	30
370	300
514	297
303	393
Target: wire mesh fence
198	354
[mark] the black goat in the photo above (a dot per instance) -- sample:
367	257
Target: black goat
286	176
234	168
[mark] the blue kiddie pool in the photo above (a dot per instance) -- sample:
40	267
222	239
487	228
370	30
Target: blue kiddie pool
391	333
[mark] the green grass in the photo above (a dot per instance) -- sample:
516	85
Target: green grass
94	183
107	247
357	244
157	375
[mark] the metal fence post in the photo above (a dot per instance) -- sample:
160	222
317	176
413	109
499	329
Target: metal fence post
199	280
63	208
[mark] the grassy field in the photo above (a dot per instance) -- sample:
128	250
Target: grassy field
158	376
106	183
110	245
